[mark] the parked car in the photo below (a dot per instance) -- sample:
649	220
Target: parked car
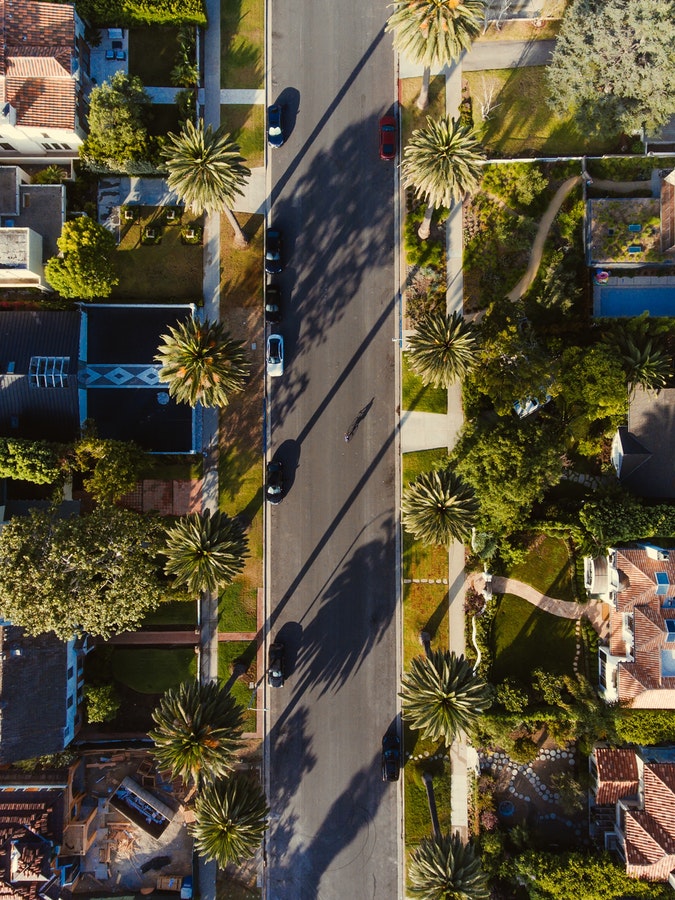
275	664
273	261
387	137
273	304
275	355
275	481
391	756
275	125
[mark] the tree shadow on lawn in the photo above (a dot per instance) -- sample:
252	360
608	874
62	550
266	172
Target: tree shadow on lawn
434	621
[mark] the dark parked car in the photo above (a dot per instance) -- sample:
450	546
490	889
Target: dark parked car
275	665
273	262
273	304
391	756
387	137
275	481
275	125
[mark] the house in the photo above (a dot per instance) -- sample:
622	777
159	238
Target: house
642	451
637	664
633	809
59	369
46	826
41	683
44	68
31	219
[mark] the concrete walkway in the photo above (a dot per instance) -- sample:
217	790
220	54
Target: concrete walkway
490	55
540	238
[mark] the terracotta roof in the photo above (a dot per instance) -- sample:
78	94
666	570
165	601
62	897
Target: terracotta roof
35	58
617	775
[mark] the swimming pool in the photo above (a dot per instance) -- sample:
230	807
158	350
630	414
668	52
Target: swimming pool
632	300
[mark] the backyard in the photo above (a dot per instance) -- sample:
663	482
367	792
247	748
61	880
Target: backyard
547	567
625	231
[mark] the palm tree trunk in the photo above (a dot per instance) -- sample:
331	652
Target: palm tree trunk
239	236
423	99
424	230
431	800
425	641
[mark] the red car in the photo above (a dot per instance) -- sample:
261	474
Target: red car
387	137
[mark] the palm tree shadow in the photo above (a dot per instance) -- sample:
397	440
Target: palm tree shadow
435	619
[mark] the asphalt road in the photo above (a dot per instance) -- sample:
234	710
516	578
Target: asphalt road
332	580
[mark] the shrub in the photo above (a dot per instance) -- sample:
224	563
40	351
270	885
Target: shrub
425	254
24	460
524	750
142	12
103	702
518	184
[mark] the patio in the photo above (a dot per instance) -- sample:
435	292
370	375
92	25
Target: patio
110	56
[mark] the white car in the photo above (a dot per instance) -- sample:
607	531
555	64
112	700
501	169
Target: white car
275	355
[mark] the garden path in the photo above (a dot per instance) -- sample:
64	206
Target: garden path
540	237
593	611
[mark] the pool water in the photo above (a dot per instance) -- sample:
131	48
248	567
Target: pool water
629	300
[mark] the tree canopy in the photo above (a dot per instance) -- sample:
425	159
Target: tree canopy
118	135
85	269
35	461
111	468
613	66
98	573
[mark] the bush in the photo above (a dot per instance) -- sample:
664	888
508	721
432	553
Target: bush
425	254
517	184
34	461
645	726
142	12
524	750
103	702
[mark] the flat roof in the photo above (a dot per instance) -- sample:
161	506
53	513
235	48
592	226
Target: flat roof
111	338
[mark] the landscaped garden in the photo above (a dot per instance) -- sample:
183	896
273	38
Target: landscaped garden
546	566
625	231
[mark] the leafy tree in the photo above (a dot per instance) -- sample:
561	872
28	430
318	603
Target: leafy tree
442	695
643	353
103	702
434	32
646	727
206	170
518	184
51	174
572	794
230	820
510	466
202	363
205	551
442	867
614	65
112	467
591	396
118	115
198	731
35	461
578	876
85	268
441	163
443	348
616	517
511	696
438	507
98	573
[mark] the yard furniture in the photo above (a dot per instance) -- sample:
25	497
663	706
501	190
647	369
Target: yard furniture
110	54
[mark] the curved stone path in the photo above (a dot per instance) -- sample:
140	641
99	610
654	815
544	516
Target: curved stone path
540	238
565	609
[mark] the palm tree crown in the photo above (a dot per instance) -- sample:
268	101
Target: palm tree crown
438	507
442	162
644	358
202	363
435	32
442	695
442	868
198	730
204	551
230	820
205	167
443	348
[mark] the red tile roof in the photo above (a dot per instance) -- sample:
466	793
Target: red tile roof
617	775
35	60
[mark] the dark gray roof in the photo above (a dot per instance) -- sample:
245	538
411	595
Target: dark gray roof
634	454
651	422
38	333
9	190
43	208
32	694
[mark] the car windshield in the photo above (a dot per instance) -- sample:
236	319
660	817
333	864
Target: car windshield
275	351
274	129
272	254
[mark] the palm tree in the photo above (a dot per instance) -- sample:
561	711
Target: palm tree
202	363
198	730
230	820
443	348
204	551
434	32
438	507
442	164
442	695
442	868
206	170
644	357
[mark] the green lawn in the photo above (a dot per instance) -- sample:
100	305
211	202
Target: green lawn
153	670
175	612
165	271
242	29
246	124
546	567
418	396
237	607
421	461
228	653
411	116
417	821
521	121
152	54
526	638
